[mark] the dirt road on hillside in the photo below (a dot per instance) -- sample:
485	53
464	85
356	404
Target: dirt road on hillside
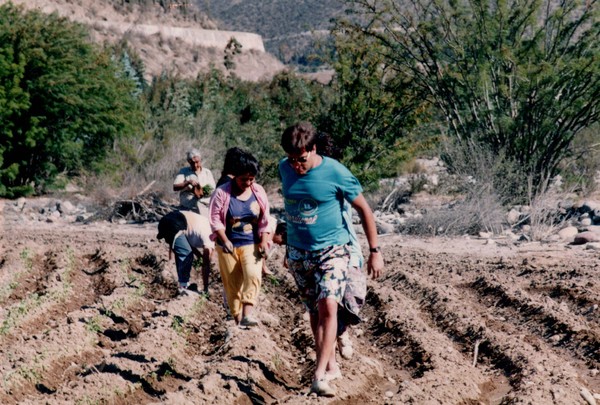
89	315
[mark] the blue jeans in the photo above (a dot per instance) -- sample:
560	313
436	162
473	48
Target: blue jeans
184	258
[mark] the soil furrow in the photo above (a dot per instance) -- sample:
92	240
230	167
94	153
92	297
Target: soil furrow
452	321
558	330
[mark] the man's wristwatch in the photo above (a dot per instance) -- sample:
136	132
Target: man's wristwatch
375	249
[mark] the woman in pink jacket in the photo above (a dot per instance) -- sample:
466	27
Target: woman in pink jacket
239	219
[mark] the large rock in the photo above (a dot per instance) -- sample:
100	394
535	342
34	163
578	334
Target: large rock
513	216
593	246
593	228
384	227
567	234
21	203
586	237
65	207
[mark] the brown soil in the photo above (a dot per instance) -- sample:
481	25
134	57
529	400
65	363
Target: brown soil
89	314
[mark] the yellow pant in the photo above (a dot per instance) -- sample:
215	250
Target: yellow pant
241	272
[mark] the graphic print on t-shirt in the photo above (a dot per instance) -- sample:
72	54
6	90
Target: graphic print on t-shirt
308	207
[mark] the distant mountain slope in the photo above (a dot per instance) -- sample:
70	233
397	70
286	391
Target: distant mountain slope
272	18
280	22
172	36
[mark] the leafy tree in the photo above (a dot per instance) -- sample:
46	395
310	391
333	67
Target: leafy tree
219	111
297	98
63	102
374	108
579	170
14	101
253	115
520	77
132	65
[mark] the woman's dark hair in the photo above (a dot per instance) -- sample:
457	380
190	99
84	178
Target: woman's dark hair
231	158
246	163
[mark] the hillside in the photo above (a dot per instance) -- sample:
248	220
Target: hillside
289	28
175	38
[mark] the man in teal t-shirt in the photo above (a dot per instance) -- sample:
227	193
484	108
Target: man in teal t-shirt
314	190
312	203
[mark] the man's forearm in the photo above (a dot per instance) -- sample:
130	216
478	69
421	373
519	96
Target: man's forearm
367	220
368	223
181	186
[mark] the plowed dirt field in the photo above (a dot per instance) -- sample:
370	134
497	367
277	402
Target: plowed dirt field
89	314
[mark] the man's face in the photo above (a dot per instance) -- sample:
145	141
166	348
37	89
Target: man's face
195	163
302	162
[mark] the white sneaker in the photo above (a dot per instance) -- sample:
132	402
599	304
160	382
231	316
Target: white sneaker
322	388
332	376
344	345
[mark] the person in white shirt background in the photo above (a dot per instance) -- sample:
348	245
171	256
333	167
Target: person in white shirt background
195	184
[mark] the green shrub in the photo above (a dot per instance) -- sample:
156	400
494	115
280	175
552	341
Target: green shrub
62	102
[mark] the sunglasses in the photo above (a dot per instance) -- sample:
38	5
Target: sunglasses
301	159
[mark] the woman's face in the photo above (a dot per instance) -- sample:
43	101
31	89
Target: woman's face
244	181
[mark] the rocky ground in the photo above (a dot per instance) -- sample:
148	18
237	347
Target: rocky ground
89	314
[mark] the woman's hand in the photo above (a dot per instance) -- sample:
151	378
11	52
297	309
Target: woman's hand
227	246
225	242
263	248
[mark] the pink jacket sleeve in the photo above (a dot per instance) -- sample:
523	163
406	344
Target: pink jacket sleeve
218	206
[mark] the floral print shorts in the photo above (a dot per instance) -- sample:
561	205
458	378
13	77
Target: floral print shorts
319	273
